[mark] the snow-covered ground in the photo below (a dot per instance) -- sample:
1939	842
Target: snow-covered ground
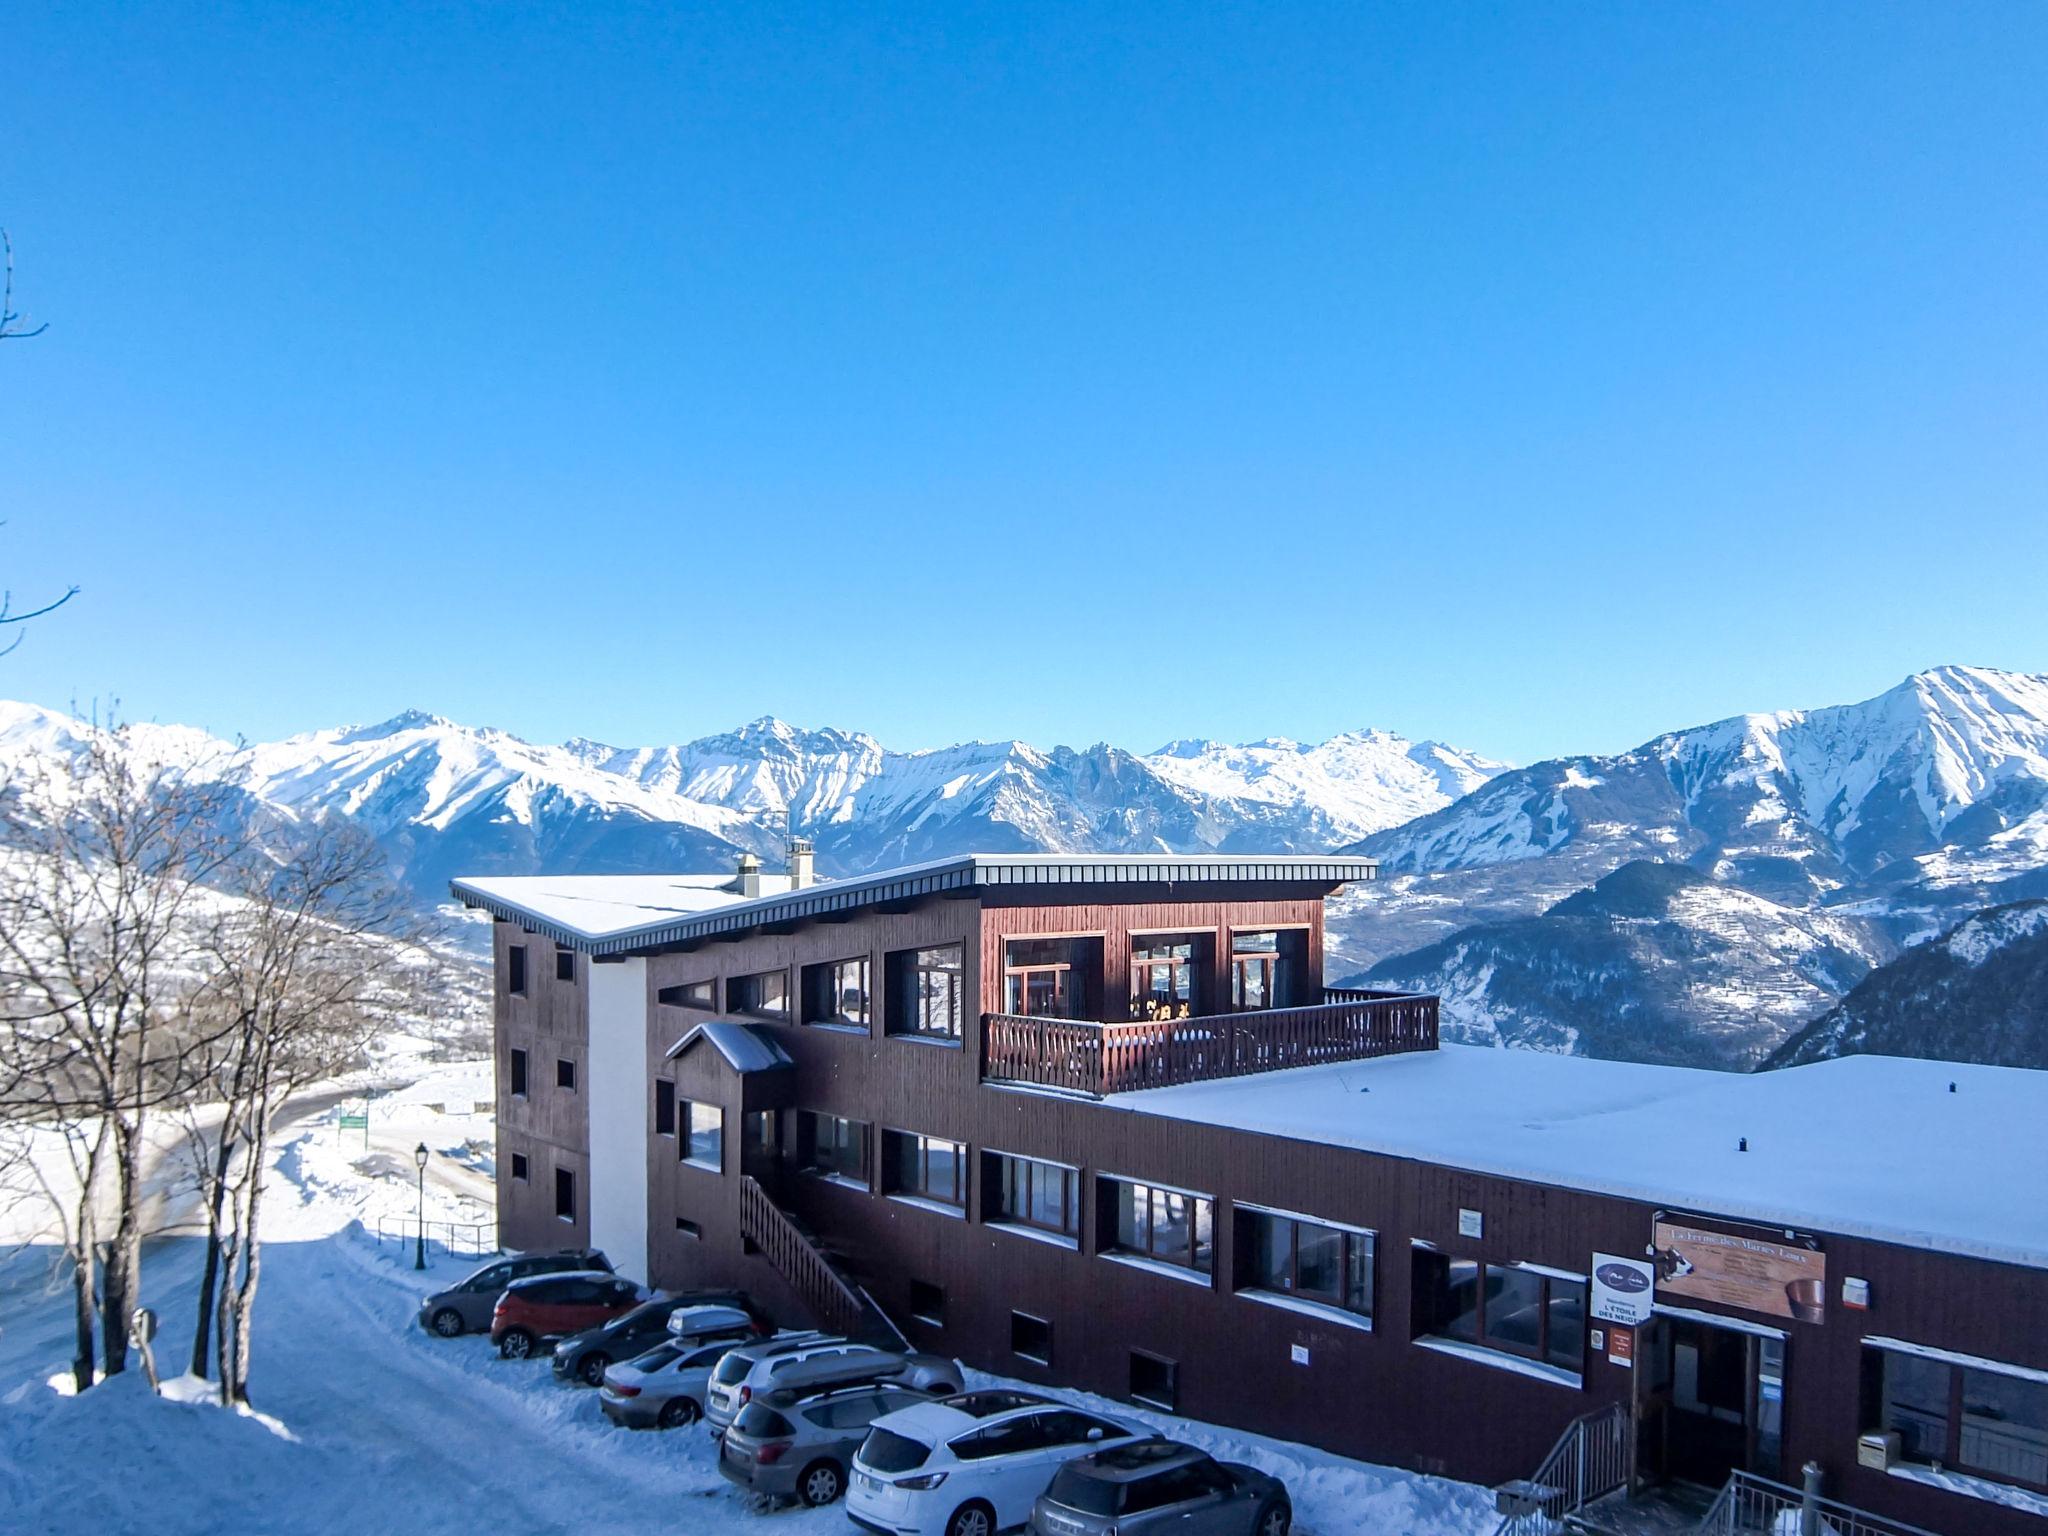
365	1422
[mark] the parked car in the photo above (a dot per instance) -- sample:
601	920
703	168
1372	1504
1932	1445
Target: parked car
585	1356
793	1444
970	1465
465	1307
662	1389
555	1306
1159	1486
813	1363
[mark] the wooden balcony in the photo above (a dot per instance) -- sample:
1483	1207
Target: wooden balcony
1082	1056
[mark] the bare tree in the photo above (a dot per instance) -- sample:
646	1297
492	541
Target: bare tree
14	327
315	953
106	862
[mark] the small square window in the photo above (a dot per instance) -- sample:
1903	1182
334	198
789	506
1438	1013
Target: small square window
928	1303
1030	1338
565	1074
1155	1381
689	1228
565	964
519	1166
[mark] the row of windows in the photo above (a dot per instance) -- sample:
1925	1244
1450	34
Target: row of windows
1170	974
1291	1256
515	1073
924	990
515	967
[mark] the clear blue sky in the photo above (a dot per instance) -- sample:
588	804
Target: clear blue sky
1531	377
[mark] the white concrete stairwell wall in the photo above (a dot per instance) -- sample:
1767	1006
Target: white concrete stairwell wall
619	1113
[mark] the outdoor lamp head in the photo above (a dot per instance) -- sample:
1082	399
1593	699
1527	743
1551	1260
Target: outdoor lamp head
419	1155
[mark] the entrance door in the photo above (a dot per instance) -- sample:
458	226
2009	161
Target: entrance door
1715	1402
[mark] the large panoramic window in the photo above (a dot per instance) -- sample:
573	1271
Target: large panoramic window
1167	1225
765	995
1048	978
1268	968
924	1167
1165	975
837	993
703	1135
1028	1193
1309	1260
832	1147
1978	1419
926	992
1515	1309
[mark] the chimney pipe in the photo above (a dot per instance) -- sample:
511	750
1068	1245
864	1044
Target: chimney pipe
801	857
750	875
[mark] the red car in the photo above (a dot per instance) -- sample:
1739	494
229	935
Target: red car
555	1306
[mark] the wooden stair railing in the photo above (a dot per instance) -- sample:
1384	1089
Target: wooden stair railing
838	1307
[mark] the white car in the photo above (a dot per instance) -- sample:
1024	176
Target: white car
971	1464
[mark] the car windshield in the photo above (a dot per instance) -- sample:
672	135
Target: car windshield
732	1370
1077	1490
757	1421
887	1451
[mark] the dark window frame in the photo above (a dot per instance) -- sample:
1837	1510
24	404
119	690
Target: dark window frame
1032	1322
1150	952
920	1188
1953	1455
905	995
743	995
565	1074
690	994
565	1194
1351	1239
1158	1199
521	1168
515	970
1167	1401
928	1303
516	1072
1482	1337
664	1107
809	1122
1072	984
565	959
823	989
688	1112
1007	1174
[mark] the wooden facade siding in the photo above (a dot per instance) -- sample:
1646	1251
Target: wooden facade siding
549	1126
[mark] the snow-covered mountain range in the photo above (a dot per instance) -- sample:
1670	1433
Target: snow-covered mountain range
1821	843
448	799
1700	898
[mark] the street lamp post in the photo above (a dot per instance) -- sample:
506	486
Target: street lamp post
419	1252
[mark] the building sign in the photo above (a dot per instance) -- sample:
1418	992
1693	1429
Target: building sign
1747	1272
1622	1289
1621	1347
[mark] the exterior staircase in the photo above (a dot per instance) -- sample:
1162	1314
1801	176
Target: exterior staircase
1593	1460
819	1275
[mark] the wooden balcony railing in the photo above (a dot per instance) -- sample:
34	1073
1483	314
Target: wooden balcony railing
1082	1056
836	1305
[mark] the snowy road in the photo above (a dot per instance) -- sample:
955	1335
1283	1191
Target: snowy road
367	1423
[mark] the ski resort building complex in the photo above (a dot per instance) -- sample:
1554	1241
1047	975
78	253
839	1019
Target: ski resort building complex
1097	1122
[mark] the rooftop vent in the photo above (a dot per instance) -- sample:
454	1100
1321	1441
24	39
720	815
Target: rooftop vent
801	863
749	881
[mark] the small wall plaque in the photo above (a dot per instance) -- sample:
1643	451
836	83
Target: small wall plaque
1299	1353
1471	1223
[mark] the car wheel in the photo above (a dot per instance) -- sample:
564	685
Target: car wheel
447	1322
972	1519
594	1367
821	1483
679	1411
516	1344
1274	1520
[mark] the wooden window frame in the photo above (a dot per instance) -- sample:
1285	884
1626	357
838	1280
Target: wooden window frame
1034	1168
816	976
962	1167
1952	1438
806	1149
1246	1247
1540	1353
747	1005
1155	1198
686	1134
903	973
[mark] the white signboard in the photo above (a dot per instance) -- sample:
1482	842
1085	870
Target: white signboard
1622	1289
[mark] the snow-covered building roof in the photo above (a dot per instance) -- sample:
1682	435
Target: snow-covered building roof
592	907
1864	1146
744	1047
621	914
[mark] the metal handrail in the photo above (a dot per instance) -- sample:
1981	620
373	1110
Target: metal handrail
406	1229
1595	1456
1748	1505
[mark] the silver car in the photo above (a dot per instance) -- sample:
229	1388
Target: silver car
664	1388
788	1444
814	1363
1153	1487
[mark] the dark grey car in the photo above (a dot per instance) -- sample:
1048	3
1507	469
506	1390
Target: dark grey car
466	1306
1155	1486
785	1444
